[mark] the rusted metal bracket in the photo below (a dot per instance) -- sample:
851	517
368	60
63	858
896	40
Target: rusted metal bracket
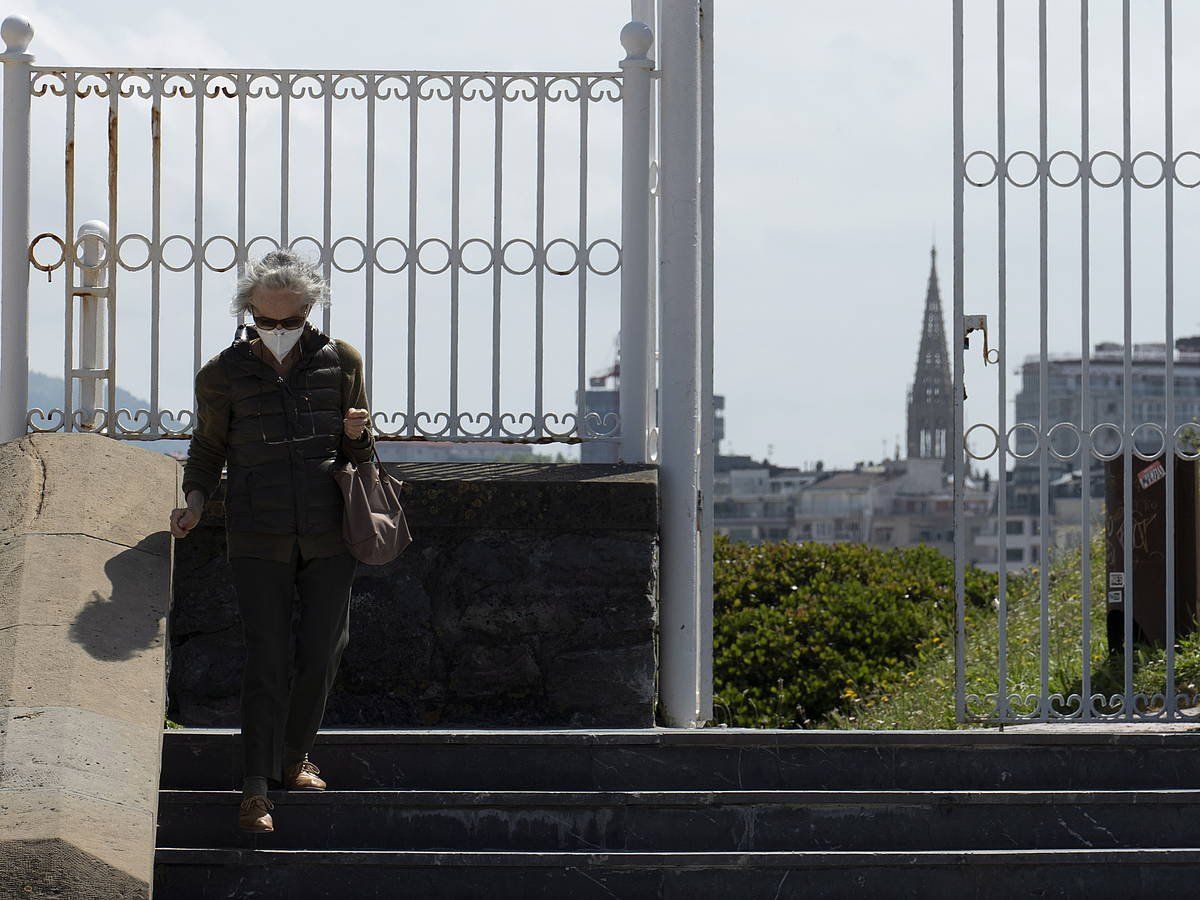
978	323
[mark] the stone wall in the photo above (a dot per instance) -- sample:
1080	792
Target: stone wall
528	597
85	568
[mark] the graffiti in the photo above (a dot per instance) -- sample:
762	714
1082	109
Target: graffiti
1141	525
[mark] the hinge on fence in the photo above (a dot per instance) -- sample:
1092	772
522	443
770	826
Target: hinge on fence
699	507
978	323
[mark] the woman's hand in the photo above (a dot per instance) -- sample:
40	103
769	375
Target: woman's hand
185	518
354	423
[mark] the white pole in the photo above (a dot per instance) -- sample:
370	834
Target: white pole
647	11
637	39
708	447
93	355
679	286
14	230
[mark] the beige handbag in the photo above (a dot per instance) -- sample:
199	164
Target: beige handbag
373	524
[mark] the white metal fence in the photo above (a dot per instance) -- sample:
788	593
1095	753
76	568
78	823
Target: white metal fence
1085	175
455	252
493	231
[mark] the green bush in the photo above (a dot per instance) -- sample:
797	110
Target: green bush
798	629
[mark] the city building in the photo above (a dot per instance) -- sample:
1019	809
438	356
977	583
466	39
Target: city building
891	503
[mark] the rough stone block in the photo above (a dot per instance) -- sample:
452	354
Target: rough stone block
529	597
85	582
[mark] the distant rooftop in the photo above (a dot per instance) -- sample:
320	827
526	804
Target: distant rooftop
1187	352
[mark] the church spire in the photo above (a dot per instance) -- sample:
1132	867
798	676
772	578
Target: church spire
929	412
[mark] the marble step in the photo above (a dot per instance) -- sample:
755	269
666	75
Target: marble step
690	820
712	759
191	874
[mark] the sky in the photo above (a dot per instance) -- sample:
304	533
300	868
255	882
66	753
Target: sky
833	178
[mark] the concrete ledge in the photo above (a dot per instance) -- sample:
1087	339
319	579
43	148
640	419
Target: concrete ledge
1091	736
85	569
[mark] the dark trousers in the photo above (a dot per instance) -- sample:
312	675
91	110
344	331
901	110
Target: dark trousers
280	719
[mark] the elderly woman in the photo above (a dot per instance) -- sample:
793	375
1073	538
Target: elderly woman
283	404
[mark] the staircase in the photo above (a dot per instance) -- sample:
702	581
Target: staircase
721	813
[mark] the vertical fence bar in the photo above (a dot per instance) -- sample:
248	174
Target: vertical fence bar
1043	353
414	89
1085	446
71	79
636	352
539	260
243	88
327	205
156	91
960	701
680	284
200	80
14	317
1127	373
581	429
285	155
1002	384
708	447
369	252
1169	287
110	254
497	247
455	254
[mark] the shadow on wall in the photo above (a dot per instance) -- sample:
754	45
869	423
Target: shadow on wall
117	628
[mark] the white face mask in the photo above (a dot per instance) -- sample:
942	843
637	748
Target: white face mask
281	340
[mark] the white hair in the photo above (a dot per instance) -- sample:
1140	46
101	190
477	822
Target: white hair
282	269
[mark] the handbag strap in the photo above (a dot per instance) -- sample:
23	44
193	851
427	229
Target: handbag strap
379	469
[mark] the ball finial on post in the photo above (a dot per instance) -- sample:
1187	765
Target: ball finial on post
17	33
637	39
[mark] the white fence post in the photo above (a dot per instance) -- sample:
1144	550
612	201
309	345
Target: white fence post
94	351
637	39
679	407
14	230
708	447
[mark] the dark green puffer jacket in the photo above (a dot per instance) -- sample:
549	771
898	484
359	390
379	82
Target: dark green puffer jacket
279	490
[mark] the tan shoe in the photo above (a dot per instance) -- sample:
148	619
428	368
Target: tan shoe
302	776
253	815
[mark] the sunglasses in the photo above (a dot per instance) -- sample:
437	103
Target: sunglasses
290	323
298	438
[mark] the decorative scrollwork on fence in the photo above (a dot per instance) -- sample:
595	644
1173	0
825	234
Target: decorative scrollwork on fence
178	84
1027	706
563	88
446	255
604	88
520	87
315	84
306	84
131	83
435	84
44	81
221	84
167	424
349	84
477	87
1104	441
391	86
1105	168
264	84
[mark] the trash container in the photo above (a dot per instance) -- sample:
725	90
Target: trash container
1149	521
